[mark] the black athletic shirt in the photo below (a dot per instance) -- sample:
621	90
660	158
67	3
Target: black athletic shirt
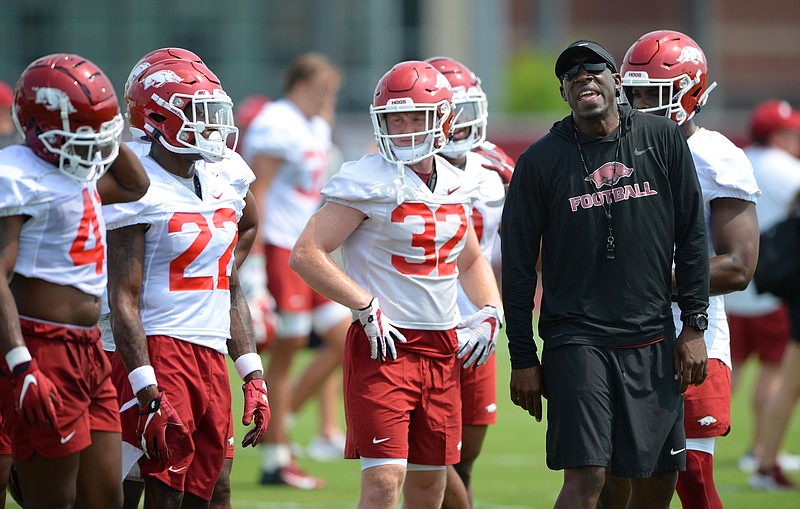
656	206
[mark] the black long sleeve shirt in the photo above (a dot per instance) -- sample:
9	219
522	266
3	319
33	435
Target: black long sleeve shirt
656	207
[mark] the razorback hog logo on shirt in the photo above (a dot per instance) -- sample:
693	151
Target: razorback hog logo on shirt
609	174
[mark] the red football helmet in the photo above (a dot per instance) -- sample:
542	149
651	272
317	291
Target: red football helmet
471	106
410	87
674	63
67	113
156	56
185	109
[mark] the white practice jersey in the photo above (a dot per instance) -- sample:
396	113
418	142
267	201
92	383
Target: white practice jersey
235	170
778	176
64	241
486	215
281	131
724	172
406	254
188	254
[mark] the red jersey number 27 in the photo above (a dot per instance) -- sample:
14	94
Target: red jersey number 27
89	225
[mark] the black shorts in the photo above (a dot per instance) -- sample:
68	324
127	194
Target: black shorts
617	407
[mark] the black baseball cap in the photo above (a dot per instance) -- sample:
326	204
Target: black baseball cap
565	59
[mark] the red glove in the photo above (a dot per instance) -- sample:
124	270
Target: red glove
161	433
36	396
256	407
500	161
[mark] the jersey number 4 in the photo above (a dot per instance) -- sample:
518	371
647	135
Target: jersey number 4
178	281
434	259
78	252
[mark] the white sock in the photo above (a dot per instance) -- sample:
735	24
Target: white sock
274	456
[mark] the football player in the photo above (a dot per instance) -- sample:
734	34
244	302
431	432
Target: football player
238	172
666	73
58	401
175	296
401	218
288	146
469	151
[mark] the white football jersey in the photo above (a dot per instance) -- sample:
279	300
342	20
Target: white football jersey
281	130
188	254
64	241
235	170
778	175
724	172
486	215
405	254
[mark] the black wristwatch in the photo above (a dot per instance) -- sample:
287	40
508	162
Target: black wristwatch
698	321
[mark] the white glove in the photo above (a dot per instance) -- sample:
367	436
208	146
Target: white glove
380	332
478	346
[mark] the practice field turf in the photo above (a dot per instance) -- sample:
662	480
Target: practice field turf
511	472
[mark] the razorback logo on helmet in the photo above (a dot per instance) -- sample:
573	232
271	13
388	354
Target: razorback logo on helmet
160	78
609	174
53	99
441	81
691	54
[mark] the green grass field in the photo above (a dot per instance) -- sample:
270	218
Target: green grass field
511	472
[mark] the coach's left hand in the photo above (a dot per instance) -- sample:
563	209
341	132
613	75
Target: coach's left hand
527	390
690	358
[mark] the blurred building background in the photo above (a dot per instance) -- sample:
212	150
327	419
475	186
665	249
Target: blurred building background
753	47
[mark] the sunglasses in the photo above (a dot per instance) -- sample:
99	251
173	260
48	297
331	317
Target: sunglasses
593	69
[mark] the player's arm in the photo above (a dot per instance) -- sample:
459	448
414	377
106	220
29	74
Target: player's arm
475	273
248	229
125	276
265	168
40	403
242	349
160	432
126	179
10	333
242	341
734	236
327	229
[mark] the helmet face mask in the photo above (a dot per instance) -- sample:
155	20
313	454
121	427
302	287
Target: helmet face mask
85	155
470	103
185	109
207	122
412	87
66	110
674	63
